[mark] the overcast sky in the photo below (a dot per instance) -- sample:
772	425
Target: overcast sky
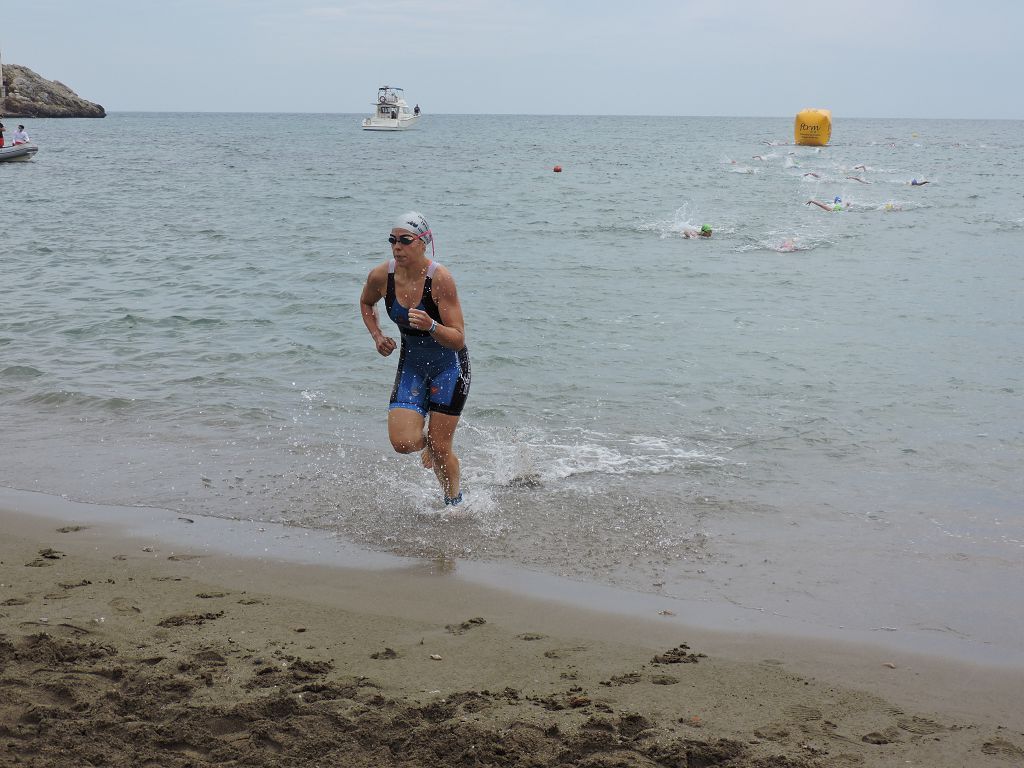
872	58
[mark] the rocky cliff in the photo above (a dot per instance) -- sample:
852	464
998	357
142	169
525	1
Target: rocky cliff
29	95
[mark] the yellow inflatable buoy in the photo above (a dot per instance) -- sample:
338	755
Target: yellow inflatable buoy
813	127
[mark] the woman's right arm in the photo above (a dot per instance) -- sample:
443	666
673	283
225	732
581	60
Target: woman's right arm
372	293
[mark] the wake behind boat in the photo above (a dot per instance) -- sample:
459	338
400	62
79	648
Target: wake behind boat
17	152
391	113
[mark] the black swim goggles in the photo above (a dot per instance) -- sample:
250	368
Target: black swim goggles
404	239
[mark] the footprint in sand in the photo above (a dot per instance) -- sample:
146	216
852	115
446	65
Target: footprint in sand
468	624
889	735
773	732
1002	748
801	712
44	556
664	680
209	657
558	653
74	584
919	725
189	619
123	605
63	629
628	678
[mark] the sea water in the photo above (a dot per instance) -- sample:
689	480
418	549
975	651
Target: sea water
815	415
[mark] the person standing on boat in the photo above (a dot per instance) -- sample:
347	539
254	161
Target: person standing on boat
20	137
1	134
433	375
416	110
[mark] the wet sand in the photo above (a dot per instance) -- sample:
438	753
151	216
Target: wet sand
122	646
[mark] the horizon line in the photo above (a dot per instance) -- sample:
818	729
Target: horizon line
528	114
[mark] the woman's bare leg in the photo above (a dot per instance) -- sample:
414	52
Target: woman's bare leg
405	428
444	462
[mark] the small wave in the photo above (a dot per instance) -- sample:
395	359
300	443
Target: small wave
133	321
207	322
1011	225
490	413
783	245
62	398
20	372
548	458
892	206
783	241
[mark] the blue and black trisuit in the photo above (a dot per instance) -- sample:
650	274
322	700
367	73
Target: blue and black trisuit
430	377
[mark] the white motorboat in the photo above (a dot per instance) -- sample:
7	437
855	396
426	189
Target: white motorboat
17	152
391	112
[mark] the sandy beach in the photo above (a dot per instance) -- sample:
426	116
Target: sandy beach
138	650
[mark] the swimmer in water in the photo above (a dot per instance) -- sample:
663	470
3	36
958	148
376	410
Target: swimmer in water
860	167
812	173
691	232
858	178
433	377
836	205
916	183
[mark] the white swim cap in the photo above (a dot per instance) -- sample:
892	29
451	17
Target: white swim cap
414	222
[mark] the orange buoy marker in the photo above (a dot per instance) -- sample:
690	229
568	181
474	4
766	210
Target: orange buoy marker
812	127
557	169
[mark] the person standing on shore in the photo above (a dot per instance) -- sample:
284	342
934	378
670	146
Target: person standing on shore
433	375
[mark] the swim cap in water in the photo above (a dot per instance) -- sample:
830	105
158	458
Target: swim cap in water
705	227
838	199
414	222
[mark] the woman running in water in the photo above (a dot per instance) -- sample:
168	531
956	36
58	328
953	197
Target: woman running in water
433	368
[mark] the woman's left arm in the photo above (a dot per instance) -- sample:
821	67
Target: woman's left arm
451	331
